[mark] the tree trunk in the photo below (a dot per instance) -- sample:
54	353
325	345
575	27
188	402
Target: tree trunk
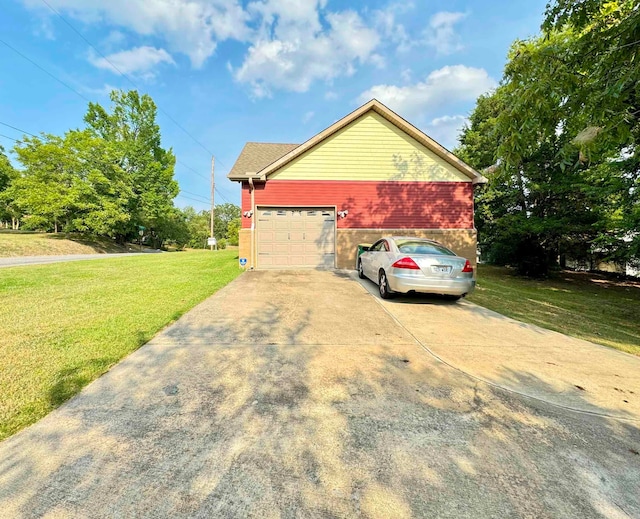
55	226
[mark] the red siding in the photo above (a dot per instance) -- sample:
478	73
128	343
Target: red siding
374	205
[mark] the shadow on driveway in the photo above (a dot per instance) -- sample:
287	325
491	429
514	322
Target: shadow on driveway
296	395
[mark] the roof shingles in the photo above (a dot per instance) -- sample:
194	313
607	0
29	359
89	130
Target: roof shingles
256	156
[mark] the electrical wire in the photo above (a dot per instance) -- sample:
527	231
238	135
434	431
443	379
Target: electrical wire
32	135
10	138
86	99
205	199
124	75
18	129
43	69
193	199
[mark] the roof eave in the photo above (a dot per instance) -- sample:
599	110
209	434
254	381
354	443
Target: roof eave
246	177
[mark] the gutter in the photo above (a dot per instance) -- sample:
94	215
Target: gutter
252	190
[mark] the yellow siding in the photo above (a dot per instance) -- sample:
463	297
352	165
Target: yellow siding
370	148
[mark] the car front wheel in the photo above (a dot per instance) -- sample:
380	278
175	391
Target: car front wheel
383	286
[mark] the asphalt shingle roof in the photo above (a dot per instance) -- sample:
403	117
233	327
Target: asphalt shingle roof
257	155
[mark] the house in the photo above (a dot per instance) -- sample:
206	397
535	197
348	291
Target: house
370	174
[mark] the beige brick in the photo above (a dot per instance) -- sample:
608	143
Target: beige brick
461	241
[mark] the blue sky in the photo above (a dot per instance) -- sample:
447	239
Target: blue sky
263	70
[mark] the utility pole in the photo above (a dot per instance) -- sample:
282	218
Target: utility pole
213	189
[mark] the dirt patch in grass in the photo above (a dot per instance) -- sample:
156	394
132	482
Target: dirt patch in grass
595	307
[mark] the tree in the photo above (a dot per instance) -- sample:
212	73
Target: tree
558	147
72	183
48	190
224	215
233	231
607	55
197	226
7	175
132	130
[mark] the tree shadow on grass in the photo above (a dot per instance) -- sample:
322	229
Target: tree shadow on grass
69	381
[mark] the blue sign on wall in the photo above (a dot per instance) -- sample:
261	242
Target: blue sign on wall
243	262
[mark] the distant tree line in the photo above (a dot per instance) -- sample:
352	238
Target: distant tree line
558	142
112	178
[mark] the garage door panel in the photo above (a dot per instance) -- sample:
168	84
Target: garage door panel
296	237
266	236
280	248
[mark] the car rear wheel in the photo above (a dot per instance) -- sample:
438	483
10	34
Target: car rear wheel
383	286
360	270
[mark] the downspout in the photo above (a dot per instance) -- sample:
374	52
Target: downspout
253	222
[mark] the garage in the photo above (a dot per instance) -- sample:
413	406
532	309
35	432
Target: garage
296	237
370	174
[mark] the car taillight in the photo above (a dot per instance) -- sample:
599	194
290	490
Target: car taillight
467	267
406	263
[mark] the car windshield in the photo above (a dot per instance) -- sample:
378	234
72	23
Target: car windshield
422	247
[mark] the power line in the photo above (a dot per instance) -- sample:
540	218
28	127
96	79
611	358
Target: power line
193	199
10	138
190	168
86	99
197	195
124	75
18	129
32	135
44	70
221	195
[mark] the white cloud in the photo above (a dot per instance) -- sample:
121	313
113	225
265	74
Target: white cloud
391	30
191	27
447	85
307	117
104	90
446	130
139	61
441	33
294	49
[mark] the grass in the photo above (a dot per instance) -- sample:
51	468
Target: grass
593	307
63	325
19	243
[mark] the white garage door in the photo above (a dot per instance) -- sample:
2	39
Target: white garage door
296	237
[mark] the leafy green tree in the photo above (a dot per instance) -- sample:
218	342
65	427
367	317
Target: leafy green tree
223	216
558	146
197	227
48	189
233	231
131	128
606	57
7	175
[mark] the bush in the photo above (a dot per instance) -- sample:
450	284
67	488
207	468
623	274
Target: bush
222	244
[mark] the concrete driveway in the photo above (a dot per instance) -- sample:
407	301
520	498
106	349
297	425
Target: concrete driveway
299	395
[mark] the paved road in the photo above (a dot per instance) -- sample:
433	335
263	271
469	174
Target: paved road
299	395
38	260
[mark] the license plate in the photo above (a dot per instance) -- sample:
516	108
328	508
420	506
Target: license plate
441	269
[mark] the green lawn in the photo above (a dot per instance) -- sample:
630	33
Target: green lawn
18	243
589	306
65	324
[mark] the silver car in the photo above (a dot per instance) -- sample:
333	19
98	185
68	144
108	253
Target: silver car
404	264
